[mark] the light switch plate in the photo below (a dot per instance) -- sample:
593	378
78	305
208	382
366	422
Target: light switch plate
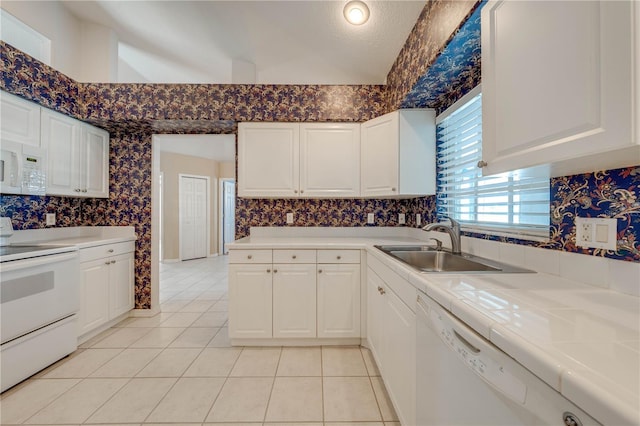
418	219
596	232
402	219
370	218
289	218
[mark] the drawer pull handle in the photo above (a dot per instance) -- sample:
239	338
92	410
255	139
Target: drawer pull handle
113	261
319	271
268	270
249	257
107	262
110	250
381	290
339	257
293	257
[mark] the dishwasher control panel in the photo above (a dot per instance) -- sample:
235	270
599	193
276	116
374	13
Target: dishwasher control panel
478	354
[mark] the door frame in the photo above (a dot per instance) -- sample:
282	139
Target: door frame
221	212
208	214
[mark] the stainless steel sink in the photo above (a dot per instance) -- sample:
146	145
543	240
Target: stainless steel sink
428	259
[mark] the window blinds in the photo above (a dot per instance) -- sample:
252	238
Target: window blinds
515	202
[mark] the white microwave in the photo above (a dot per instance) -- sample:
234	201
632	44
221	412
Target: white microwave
22	169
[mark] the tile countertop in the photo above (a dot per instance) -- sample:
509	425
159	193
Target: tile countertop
582	340
80	237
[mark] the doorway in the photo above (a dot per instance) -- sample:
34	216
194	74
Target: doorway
227	213
193	216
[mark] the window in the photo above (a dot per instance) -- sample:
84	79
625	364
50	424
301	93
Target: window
510	203
23	37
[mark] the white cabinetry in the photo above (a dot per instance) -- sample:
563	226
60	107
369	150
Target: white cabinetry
20	120
288	294
78	156
250	300
291	160
391	327
106	286
338	293
397	155
558	85
330	160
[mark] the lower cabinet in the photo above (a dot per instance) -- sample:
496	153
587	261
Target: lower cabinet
296	295
250	301
391	331
294	300
338	300
107	284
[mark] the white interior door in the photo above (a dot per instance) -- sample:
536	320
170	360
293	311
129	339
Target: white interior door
194	227
228	213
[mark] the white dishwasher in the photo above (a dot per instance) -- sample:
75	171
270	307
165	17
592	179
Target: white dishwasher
463	379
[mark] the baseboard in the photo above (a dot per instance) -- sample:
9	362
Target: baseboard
144	313
170	260
213	255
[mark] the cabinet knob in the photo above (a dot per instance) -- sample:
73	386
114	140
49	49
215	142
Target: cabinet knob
107	262
268	270
77	189
275	271
482	164
110	250
249	257
84	190
381	290
295	191
393	189
319	271
302	191
338	257
293	257
113	261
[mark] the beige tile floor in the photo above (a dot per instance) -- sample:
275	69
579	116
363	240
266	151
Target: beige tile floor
179	368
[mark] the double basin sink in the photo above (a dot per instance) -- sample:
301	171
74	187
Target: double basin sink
430	259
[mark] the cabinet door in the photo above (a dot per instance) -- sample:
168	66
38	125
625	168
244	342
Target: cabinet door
399	324
329	160
94	295
121	279
60	136
338	300
95	162
250	301
268	159
375	316
294	300
379	156
557	84
19	120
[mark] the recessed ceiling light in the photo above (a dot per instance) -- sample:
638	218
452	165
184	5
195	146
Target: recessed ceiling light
356	12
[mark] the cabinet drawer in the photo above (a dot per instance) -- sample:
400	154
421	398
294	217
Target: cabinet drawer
250	256
107	250
338	256
294	256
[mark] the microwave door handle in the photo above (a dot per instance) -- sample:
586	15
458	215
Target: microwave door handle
13	172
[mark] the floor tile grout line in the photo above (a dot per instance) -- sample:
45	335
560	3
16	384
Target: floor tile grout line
273	384
223	385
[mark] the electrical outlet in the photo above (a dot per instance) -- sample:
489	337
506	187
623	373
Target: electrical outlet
401	219
418	219
289	218
370	218
50	219
596	232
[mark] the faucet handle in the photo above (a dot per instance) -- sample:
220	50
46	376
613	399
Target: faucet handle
438	243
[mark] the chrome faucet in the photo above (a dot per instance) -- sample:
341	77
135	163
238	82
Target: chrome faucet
453	230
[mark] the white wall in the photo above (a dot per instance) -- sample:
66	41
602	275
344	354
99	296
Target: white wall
99	54
52	20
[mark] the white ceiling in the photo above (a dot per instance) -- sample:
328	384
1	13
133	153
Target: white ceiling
220	148
290	42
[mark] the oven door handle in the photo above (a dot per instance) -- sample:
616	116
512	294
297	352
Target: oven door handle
16	265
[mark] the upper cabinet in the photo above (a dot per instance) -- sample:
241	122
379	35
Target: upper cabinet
20	120
290	160
78	156
397	156
558	85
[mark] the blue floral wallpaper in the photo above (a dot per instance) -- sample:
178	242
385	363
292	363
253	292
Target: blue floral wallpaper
439	62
